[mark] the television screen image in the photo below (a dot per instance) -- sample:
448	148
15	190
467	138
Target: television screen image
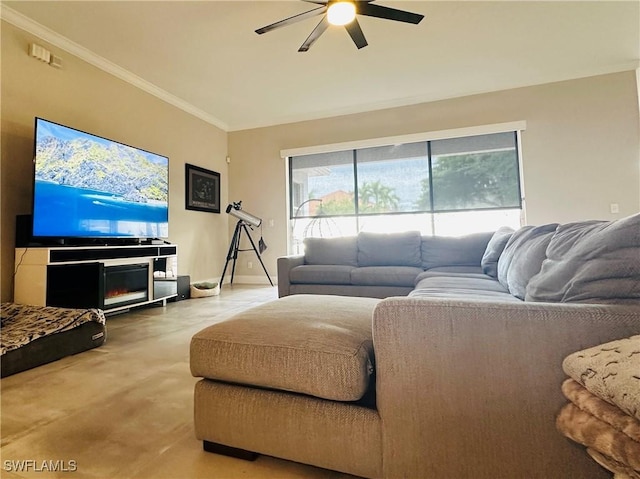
87	186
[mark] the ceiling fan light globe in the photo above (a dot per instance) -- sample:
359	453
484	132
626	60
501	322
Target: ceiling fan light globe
341	13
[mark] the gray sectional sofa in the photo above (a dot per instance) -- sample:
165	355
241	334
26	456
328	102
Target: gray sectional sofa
552	262
376	265
458	377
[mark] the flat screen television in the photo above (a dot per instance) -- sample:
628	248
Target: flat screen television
90	187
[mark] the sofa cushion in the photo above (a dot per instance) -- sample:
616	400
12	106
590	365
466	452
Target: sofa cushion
591	262
456	270
385	275
443	273
450	251
342	250
468	284
311	344
463	294
320	274
494	249
461	287
395	249
514	247
526	262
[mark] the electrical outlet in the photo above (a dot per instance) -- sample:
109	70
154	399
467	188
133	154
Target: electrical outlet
614	208
249	265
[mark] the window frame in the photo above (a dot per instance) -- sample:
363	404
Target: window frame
512	127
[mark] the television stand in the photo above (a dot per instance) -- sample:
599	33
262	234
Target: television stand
111	278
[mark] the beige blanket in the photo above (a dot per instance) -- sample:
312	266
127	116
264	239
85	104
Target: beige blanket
611	436
586	429
621	471
602	410
611	372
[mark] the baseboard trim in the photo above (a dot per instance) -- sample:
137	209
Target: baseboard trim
247	279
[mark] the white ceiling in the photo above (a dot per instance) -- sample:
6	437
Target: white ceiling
205	57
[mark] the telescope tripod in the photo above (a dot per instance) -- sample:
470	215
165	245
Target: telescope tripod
234	248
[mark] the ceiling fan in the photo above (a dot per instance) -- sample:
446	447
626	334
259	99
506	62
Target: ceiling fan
343	12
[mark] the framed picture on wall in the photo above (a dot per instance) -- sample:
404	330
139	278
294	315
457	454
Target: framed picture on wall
202	189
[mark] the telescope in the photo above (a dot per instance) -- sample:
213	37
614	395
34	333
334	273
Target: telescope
245	221
235	209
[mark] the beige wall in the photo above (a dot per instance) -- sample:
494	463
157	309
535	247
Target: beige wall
87	98
580	149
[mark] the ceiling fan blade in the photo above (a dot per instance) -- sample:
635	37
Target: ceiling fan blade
371	10
356	34
315	34
293	19
318	2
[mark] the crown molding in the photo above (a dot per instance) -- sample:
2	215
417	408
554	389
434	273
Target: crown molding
25	23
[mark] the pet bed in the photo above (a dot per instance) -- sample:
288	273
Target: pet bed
36	335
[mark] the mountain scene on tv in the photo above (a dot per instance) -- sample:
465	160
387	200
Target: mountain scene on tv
87	185
114	168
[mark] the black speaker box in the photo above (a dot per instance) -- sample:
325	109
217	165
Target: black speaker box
184	290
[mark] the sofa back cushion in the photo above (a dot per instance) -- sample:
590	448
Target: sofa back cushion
591	262
395	249
526	249
449	251
343	251
494	249
526	263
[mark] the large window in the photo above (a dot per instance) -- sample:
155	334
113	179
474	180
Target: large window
446	187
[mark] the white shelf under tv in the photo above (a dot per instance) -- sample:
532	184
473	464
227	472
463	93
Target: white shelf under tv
79	276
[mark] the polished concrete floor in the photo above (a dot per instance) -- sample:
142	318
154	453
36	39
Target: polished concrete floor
125	410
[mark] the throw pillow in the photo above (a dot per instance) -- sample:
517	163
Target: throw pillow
395	249
494	249
591	262
342	251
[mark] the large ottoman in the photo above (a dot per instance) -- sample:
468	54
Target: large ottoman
293	378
